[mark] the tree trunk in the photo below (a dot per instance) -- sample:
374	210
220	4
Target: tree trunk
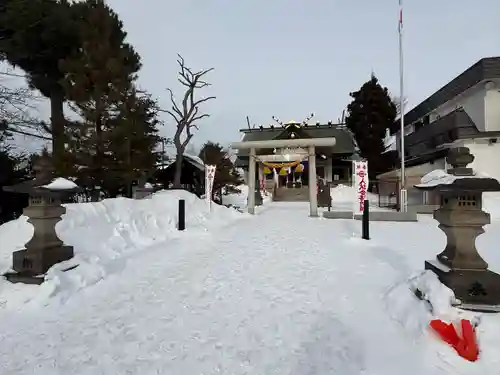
178	170
57	122
98	159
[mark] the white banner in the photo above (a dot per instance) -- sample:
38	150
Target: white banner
209	183
360	169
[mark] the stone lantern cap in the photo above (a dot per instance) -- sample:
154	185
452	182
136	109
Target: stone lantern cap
44	184
459	177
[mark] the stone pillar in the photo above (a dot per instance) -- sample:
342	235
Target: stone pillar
251	181
313	198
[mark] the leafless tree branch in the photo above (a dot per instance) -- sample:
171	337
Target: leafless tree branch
186	113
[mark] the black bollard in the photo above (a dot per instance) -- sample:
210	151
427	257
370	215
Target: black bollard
365	229
181	225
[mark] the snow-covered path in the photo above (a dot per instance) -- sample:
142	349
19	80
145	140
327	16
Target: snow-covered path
279	293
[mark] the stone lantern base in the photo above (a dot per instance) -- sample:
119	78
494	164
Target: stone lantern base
477	290
30	267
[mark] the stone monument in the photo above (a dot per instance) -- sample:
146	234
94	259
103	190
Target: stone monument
324	196
459	266
44	211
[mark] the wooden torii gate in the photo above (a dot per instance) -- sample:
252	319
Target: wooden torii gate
309	143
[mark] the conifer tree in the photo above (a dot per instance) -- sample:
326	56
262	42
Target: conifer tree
369	115
35	36
226	175
131	142
99	78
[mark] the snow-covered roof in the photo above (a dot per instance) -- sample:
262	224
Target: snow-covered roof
170	154
195	160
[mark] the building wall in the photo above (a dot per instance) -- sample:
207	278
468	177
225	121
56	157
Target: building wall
487	157
492	106
481	103
472	101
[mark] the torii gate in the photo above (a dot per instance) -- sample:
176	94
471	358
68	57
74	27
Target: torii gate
309	143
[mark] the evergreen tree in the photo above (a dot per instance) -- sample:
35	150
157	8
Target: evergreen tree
36	35
131	143
369	115
99	78
226	175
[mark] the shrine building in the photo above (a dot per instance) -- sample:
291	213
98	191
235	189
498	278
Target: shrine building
287	167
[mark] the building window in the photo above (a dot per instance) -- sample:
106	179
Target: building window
419	125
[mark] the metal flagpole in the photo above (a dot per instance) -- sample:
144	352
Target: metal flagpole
403	197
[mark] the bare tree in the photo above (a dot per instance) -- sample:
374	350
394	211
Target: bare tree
187	112
15	104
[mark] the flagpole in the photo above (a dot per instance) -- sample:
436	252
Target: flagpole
403	197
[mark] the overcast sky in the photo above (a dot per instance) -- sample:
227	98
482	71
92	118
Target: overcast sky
289	58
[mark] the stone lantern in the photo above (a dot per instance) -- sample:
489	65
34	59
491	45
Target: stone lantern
459	266
44	211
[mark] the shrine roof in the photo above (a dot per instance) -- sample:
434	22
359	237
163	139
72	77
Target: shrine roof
345	140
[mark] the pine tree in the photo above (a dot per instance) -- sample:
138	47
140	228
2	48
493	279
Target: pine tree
98	80
35	36
226	175
369	115
131	142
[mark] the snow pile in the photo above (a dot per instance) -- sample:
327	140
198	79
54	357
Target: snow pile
240	199
105	234
404	305
435	301
344	198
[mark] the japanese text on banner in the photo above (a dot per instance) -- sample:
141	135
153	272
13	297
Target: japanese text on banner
360	185
209	183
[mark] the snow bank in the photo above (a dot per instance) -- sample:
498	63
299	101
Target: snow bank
240	200
436	302
343	198
105	234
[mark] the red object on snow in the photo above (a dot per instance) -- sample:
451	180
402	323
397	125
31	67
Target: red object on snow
466	346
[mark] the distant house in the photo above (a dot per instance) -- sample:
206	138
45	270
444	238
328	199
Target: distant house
464	112
192	178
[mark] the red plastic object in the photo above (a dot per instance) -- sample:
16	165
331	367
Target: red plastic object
466	346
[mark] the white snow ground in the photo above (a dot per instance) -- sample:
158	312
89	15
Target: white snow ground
277	293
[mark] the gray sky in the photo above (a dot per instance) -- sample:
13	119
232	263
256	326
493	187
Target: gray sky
289	58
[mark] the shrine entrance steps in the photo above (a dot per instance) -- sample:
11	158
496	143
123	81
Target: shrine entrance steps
298	194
